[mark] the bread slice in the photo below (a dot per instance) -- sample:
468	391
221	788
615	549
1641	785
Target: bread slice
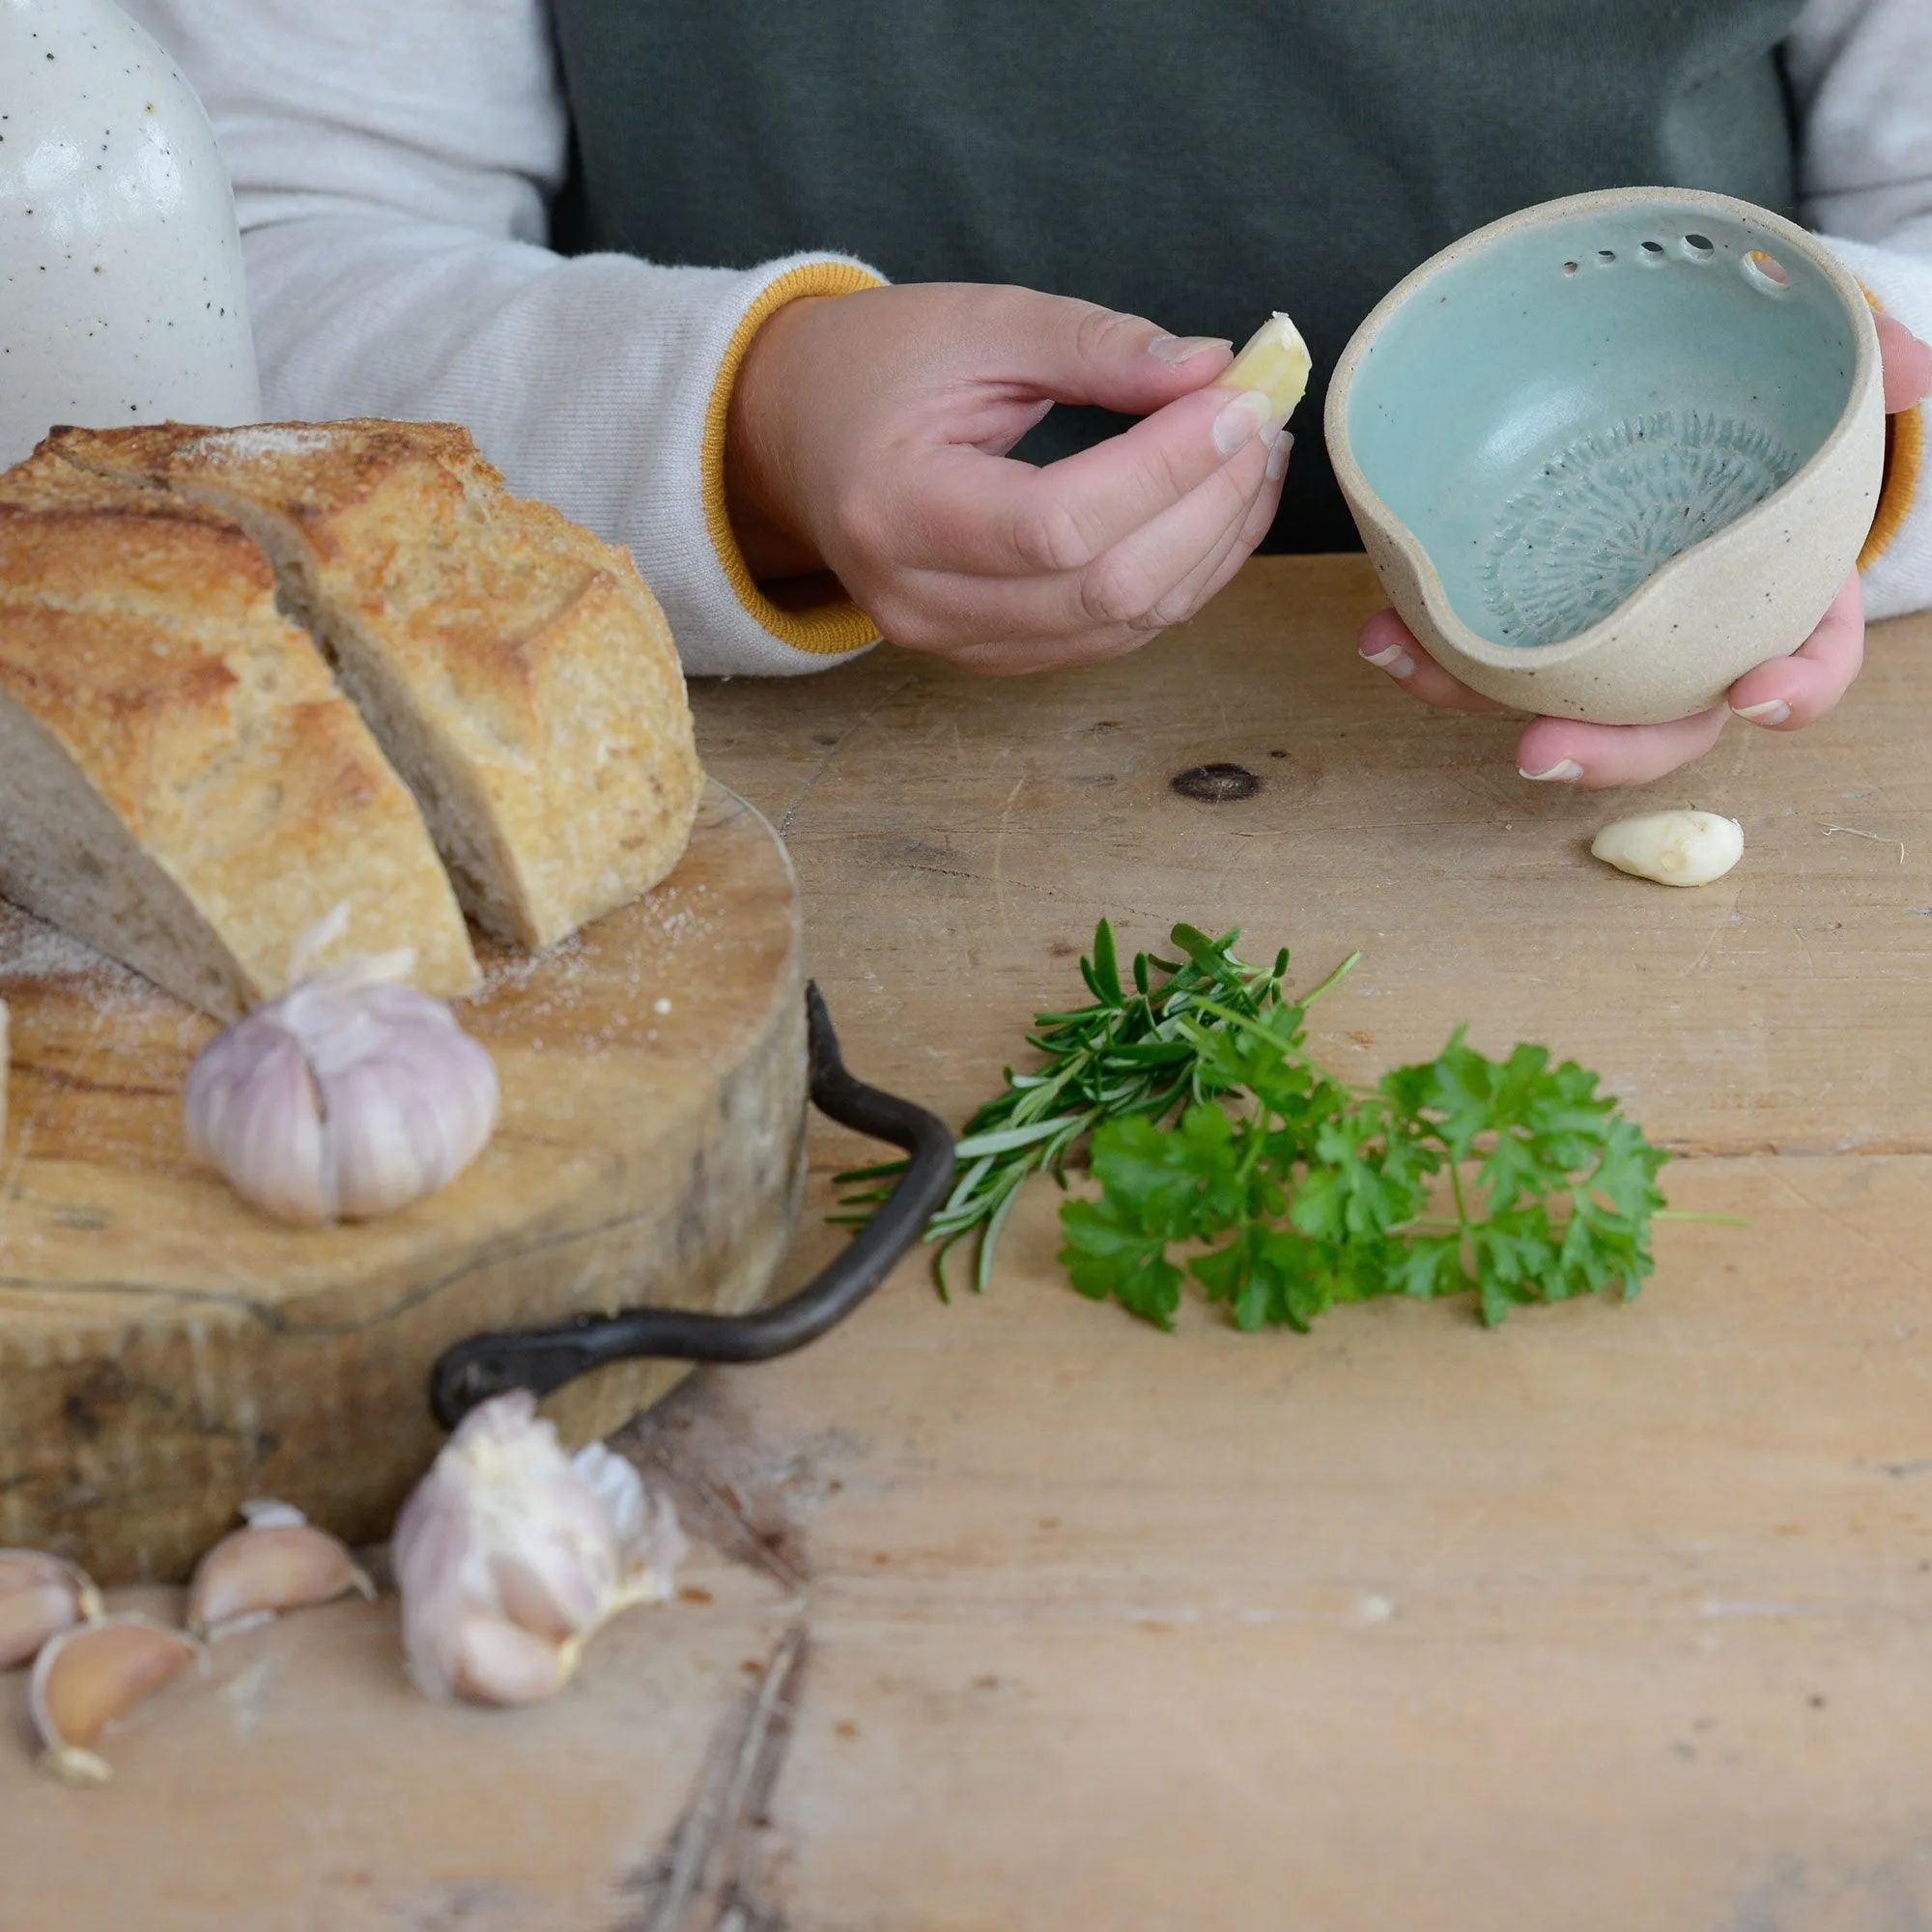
181	784
516	669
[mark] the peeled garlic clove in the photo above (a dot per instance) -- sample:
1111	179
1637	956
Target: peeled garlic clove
39	1597
85	1678
348	1097
280	1562
1275	360
1675	849
498	1663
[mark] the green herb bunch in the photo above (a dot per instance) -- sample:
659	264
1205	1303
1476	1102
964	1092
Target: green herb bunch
1225	1153
1131	1054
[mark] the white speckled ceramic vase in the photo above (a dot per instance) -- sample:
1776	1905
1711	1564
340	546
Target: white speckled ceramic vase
121	290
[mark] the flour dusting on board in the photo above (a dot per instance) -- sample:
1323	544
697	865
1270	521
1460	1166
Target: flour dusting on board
673	941
515	969
32	950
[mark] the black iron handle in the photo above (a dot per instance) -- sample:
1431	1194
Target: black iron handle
543	1359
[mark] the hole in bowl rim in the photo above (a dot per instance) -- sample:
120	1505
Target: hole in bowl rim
1676	208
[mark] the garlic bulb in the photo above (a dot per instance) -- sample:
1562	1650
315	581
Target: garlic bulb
39	1597
280	1562
87	1677
509	1554
1675	849
351	1096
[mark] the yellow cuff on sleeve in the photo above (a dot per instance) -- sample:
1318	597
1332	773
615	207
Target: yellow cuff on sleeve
1904	457
824	630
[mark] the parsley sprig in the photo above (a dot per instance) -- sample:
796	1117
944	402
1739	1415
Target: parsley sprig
1226	1155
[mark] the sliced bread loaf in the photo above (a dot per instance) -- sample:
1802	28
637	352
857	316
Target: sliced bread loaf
516	669
181	784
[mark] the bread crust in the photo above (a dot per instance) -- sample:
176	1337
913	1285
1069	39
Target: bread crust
185	785
516	669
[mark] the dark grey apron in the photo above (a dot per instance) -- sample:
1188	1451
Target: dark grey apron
1200	164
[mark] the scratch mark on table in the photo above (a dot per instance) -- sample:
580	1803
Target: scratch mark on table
1000	848
1854	1233
706	1879
836	748
1723	927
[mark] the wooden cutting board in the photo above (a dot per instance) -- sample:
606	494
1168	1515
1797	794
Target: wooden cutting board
165	1353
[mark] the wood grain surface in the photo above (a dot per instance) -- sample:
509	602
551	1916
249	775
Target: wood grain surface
1017	1616
166	1353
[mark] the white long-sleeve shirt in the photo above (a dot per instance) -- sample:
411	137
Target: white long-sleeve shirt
394	165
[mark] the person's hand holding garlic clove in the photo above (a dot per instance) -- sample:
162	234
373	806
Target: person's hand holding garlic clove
868	435
1777	696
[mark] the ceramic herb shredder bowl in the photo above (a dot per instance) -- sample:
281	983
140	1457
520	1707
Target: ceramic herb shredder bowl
1610	453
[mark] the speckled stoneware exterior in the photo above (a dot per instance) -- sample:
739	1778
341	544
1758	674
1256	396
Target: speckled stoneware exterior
121	290
1610	453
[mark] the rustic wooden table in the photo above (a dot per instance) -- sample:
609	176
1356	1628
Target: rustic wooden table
1018	1616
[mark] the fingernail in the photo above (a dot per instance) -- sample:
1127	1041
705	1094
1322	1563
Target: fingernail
1773	711
1393	659
1565	771
1278	449
1179	348
1241	421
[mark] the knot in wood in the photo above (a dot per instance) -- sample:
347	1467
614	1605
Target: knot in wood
1217	785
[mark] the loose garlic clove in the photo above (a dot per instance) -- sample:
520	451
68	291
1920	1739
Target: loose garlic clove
509	1555
39	1597
1675	849
280	1562
86	1678
1275	360
348	1097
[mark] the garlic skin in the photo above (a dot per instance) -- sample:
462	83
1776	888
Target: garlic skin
41	1595
349	1096
88	1676
280	1562
509	1555
1675	849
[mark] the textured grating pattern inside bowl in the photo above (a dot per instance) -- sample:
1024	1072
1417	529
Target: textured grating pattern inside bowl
1613	508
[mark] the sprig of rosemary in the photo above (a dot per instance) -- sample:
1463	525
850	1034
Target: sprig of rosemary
1133	1053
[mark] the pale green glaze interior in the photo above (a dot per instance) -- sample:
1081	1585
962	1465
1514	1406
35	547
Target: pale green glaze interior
1553	434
